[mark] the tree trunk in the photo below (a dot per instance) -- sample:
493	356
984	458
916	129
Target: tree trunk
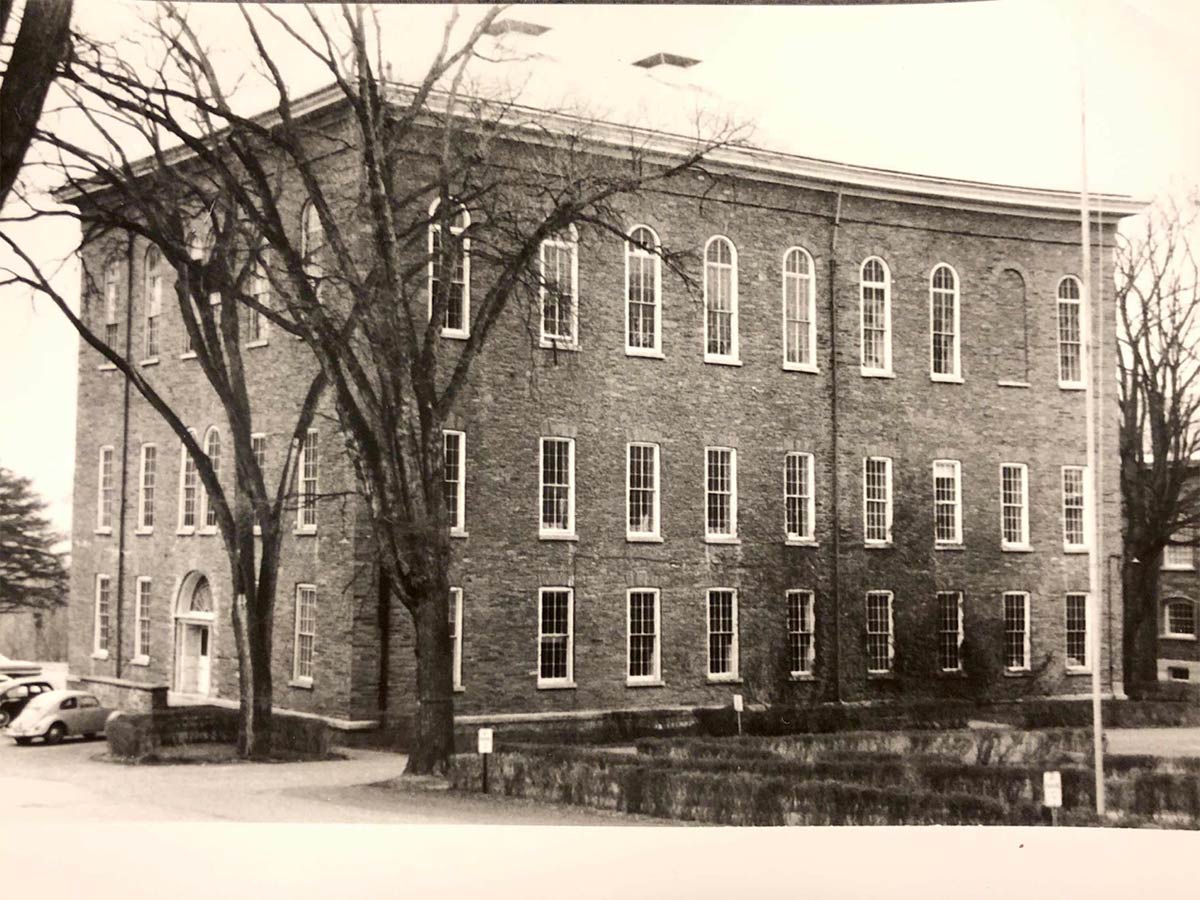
433	725
1140	583
254	682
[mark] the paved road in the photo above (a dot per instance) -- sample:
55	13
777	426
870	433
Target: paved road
70	784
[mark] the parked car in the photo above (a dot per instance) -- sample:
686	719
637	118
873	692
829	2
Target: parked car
53	715
16	693
18	668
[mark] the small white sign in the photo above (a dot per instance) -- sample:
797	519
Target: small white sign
1052	789
737	703
485	740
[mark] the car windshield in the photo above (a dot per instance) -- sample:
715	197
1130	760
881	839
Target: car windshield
42	701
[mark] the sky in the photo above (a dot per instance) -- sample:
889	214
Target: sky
987	91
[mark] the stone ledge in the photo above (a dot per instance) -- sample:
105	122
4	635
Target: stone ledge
121	693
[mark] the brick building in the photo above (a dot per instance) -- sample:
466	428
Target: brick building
848	468
1179	593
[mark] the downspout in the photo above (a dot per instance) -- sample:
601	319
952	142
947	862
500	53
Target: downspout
833	452
121	510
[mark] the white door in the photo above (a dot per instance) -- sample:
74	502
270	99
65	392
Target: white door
203	664
194	659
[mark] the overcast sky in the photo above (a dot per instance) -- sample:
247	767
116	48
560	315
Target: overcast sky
987	91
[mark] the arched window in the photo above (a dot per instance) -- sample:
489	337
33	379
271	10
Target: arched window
154	290
720	301
944	324
1070	334
188	490
875	288
212	449
643	293
313	247
456	316
112	293
559	268
799	311
1179	618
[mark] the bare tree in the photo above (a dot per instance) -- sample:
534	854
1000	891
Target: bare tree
379	211
1158	310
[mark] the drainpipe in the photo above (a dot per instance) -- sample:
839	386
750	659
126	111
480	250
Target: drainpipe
833	452
124	451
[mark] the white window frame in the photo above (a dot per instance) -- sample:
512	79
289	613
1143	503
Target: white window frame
460	494
105	489
435	227
1179	544
1069	383
153	301
1166	631
314	269
569	680
1026	638
655	676
185	460
732	358
806	284
654	256
959	631
141	645
734	656
456	639
261	286
306	486
259	440
1087	632
869	541
954	376
570	244
147	490
885	371
730	536
891	632
298	679
206	510
955	467
807	496
1068	545
550	533
656	534
805	625
103	587
1023	543
112	322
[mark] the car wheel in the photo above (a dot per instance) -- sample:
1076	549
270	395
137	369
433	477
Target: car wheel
23	741
56	733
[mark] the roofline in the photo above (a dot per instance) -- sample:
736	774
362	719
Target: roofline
747	159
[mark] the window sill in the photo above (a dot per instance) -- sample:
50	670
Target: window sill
188	354
1013	384
644	353
104	531
1074	549
945	379
261	342
1178	568
802	676
877	545
801	542
207	531
99	654
722	539
951	673
877	373
1072	386
305	532
458	689
1017	673
142	532
559	344
557	536
959	547
801	367
455	334
732	678
304	684
722	360
1177	637
1016	548
556	685
106	367
458	533
644	682
643	538
185	531
1079	670
882	675
152	361
140	661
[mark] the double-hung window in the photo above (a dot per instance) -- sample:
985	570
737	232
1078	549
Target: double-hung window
720	301
103	612
802	637
556	638
1073	503
881	643
1070	334
313	248
947	502
212	449
141	624
154	296
875	294
799	312
307	470
798	501
1014	506
1179	618
456	637
557	488
944	325
643	638
454	480
105	491
722	634
1016	631
877	501
257	325
112	294
950	630
720	493
559	260
189	490
147	482
1078	651
454	280
306	634
641	492
643	293
1178	556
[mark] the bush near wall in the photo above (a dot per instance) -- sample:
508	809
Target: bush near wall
141	736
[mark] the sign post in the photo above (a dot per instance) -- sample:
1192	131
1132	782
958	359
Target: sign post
485	750
1052	794
737	708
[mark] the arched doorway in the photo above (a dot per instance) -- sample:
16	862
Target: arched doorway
195	613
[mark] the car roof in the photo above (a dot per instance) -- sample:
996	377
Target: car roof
61	694
13	682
